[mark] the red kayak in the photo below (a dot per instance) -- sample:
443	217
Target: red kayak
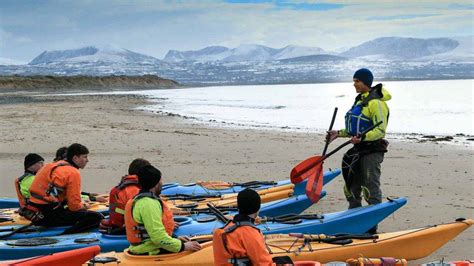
71	257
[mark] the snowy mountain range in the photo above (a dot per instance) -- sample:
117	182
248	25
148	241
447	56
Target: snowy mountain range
393	58
385	48
245	52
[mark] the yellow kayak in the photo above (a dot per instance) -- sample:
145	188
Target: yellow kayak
229	200
410	244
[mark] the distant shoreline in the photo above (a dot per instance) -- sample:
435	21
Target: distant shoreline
132	82
41	83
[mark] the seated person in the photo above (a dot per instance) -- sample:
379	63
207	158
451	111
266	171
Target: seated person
58	184
86	196
148	221
240	241
32	163
60	154
118	198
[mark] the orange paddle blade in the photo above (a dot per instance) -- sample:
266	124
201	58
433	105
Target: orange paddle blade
305	169
315	183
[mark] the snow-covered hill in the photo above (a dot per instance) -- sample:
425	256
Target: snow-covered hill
93	54
211	53
292	51
463	52
402	48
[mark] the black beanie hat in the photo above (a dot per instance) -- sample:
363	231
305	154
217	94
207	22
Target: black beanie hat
31	159
365	76
148	177
248	201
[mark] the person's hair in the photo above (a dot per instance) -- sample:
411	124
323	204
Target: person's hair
137	164
61	154
76	149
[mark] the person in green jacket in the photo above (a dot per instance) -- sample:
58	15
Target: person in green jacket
361	164
149	223
32	163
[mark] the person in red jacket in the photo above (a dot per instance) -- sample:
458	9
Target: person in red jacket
240	241
58	184
118	198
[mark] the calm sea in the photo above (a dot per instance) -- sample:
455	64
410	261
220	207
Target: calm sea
427	107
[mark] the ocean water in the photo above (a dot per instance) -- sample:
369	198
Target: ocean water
438	107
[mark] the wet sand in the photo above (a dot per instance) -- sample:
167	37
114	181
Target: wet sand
436	177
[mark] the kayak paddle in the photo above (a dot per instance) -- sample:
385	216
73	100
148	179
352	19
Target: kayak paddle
314	186
312	168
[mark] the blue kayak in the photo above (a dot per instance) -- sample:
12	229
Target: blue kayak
171	189
296	204
354	221
9	203
195	189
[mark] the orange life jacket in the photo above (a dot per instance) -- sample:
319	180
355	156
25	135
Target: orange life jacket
229	250
45	189
22	200
136	233
119	196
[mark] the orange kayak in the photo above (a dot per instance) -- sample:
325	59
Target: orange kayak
74	257
410	244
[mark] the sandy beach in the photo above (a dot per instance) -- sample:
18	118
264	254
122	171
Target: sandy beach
436	177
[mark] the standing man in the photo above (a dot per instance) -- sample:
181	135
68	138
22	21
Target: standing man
362	163
58	184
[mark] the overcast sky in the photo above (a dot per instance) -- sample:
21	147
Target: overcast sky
27	28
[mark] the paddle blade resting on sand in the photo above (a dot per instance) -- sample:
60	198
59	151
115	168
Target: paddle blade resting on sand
315	182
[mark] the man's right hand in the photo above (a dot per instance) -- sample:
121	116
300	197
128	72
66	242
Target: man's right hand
332	135
192	246
86	205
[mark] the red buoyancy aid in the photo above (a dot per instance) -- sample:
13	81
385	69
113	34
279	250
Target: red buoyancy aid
136	233
119	196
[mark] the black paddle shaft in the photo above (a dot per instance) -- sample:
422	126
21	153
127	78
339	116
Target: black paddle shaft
324	157
217	213
330	128
349	141
17	230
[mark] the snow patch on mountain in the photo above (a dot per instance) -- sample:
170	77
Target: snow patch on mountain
93	54
292	51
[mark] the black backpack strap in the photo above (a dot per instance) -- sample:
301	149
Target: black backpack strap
127	183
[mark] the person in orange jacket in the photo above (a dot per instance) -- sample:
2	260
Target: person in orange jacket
58	184
119	196
240	241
